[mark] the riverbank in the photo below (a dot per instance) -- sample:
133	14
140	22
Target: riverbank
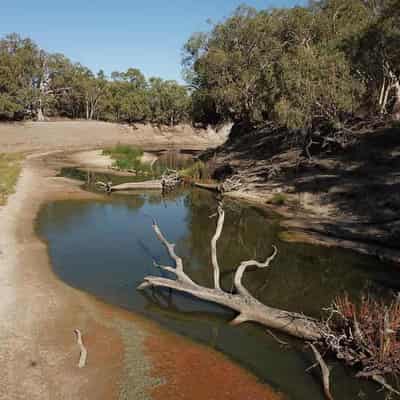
128	357
336	196
81	135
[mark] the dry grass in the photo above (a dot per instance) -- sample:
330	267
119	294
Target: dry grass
10	168
372	332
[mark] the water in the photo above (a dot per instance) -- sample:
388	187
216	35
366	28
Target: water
107	247
171	159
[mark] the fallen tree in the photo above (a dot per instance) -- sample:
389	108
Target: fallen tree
248	307
374	347
109	187
170	179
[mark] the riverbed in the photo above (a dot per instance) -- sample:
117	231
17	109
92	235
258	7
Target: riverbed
106	247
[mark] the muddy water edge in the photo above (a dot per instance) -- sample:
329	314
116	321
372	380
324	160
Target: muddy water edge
106	248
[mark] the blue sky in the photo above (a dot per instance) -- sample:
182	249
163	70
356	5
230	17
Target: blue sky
116	35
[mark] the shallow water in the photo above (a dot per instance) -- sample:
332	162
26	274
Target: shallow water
107	247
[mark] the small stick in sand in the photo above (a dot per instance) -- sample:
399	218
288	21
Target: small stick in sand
83	356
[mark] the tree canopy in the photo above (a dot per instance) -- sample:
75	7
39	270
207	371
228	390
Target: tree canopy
38	84
296	66
327	62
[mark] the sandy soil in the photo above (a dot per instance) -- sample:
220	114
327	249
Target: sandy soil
79	135
38	313
95	159
91	159
129	358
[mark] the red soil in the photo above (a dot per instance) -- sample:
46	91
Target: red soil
196	372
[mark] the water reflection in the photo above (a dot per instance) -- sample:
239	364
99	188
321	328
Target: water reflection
107	247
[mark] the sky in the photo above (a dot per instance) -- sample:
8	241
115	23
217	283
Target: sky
115	35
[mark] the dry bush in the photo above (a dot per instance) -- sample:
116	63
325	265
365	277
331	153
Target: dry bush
366	335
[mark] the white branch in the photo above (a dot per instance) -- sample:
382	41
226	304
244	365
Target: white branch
178	271
242	269
214	258
247	307
382	381
324	370
83	356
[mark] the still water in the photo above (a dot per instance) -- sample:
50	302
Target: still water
107	247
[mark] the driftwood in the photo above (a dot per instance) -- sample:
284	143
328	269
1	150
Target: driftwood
347	342
109	187
228	185
83	356
247	306
213	187
169	180
325	372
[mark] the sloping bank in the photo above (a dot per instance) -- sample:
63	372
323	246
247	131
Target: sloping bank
128	357
337	188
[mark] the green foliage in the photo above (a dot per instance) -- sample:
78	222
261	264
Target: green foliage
198	170
316	85
169	102
10	168
278	199
291	66
296	66
33	82
127	158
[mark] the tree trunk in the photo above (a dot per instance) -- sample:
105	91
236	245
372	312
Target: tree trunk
396	106
383	97
39	111
87	109
40	114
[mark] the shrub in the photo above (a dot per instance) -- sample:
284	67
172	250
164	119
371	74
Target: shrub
278	199
198	170
126	157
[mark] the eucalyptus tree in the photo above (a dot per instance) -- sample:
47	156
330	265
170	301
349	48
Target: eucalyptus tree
18	71
379	52
297	66
315	78
128	96
168	102
234	66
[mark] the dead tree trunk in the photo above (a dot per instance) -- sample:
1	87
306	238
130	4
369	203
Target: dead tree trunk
396	106
87	109
40	114
344	345
247	307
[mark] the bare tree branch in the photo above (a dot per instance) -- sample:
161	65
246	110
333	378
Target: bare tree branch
214	240
247	307
324	370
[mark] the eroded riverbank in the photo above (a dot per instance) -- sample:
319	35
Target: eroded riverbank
340	196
